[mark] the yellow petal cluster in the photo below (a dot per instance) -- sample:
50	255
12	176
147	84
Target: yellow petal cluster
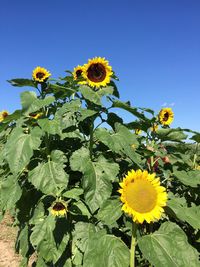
40	74
58	208
3	115
142	196
166	116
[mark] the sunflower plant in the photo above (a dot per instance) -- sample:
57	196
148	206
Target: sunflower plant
87	189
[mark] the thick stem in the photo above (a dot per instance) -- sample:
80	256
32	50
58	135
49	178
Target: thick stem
133	244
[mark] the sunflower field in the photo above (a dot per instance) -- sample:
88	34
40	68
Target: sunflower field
86	188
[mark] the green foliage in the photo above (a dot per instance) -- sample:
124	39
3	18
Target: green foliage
72	157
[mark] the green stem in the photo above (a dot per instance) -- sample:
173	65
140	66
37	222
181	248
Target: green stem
195	155
133	244
91	138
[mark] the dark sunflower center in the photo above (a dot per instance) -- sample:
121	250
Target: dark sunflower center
78	73
96	72
40	75
58	206
166	116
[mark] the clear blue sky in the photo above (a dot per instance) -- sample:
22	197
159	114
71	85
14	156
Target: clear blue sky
153	46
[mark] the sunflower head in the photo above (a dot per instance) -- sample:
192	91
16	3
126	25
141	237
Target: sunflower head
97	72
3	115
58	208
166	116
40	74
36	116
138	131
142	195
77	74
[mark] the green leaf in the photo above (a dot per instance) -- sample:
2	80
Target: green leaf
119	141
127	107
110	212
49	177
19	148
187	214
86	113
12	117
23	241
10	193
191	178
96	179
58	89
196	137
50	126
23	82
30	103
95	96
108	250
168	247
171	134
74	193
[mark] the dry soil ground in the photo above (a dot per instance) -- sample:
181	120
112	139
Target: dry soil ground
8	258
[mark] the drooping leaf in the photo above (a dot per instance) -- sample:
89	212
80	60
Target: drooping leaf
171	134
168	247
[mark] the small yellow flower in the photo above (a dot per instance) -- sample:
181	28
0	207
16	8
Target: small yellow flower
138	131
166	116
58	208
40	74
97	72
154	128
197	168
77	73
143	196
133	146
3	115
36	115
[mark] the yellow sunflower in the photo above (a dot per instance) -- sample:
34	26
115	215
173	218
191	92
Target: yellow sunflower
77	73
40	74
3	115
143	196
58	208
97	72
166	116
138	131
154	127
36	115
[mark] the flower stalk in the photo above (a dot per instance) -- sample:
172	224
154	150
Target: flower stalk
133	244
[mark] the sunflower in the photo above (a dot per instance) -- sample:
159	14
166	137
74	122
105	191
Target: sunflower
97	72
77	74
3	115
40	74
166	116
143	196
58	208
138	131
35	116
154	127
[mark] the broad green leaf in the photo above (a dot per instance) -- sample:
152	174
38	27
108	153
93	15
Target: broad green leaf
190	215
79	208
50	126
23	82
27	98
74	193
30	103
127	107
119	141
168	247
19	148
85	113
110	212
196	137
191	178
10	193
49	177
95	96
58	89
176	134
108	250
96	179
